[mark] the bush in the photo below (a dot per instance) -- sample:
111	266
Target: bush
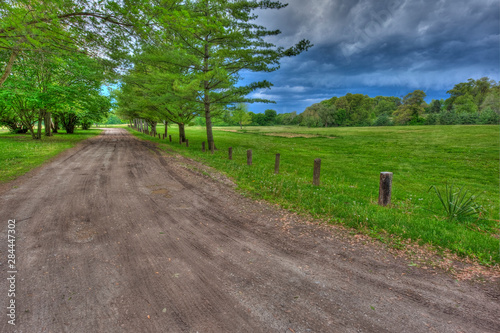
383	120
432	119
488	116
468	118
448	118
457	204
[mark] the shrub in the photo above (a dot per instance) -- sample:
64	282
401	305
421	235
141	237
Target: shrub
488	116
457	204
382	120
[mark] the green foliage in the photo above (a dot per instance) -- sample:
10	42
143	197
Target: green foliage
382	120
241	116
489	117
466	105
411	109
457	204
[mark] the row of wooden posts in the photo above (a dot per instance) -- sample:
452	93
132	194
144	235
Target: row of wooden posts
385	186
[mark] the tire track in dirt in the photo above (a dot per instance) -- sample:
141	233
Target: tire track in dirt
123	238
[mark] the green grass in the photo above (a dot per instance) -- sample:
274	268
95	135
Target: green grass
352	159
20	153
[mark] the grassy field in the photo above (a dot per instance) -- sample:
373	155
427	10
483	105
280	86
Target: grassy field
20	153
352	159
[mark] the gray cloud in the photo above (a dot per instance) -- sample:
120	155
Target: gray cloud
380	47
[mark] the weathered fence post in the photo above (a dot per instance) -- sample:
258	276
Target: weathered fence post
277	164
170	138
249	157
230	153
317	170
187	143
159	136
385	189
203	146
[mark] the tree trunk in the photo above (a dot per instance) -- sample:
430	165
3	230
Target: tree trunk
206	97
166	127
41	115
55	125
241	125
8	68
153	128
182	133
48	123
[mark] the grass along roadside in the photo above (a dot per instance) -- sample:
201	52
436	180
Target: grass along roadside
20	153
352	159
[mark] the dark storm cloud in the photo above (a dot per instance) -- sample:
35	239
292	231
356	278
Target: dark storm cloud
380	47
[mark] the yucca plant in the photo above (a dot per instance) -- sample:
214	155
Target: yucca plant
458	204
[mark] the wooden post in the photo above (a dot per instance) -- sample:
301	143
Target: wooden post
159	136
317	170
249	157
277	164
230	153
170	138
203	146
385	189
187	143
163	136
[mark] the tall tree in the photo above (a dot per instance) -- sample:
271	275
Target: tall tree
411	109
218	40
240	115
99	28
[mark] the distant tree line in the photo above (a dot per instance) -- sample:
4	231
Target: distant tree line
471	102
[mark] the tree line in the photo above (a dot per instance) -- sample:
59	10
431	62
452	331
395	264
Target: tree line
172	60
471	102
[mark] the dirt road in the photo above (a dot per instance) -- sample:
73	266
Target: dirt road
114	237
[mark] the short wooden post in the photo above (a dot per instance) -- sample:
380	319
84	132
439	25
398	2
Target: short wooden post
159	136
249	157
170	138
212	147
187	143
385	189
277	164
163	136
317	170
203	146
230	153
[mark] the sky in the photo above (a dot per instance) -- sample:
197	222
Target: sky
382	47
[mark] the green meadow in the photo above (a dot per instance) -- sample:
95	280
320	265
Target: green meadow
352	159
19	153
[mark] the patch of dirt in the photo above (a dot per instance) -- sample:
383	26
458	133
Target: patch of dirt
297	135
227	130
100	248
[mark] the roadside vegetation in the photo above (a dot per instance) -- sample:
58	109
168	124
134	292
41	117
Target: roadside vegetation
20	153
352	159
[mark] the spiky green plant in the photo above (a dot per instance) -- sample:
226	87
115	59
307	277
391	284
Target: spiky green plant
458	204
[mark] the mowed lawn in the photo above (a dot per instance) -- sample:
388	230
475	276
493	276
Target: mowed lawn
352	159
19	153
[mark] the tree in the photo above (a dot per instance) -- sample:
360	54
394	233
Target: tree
98	28
240	115
270	117
411	109
492	100
435	106
217	40
465	104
